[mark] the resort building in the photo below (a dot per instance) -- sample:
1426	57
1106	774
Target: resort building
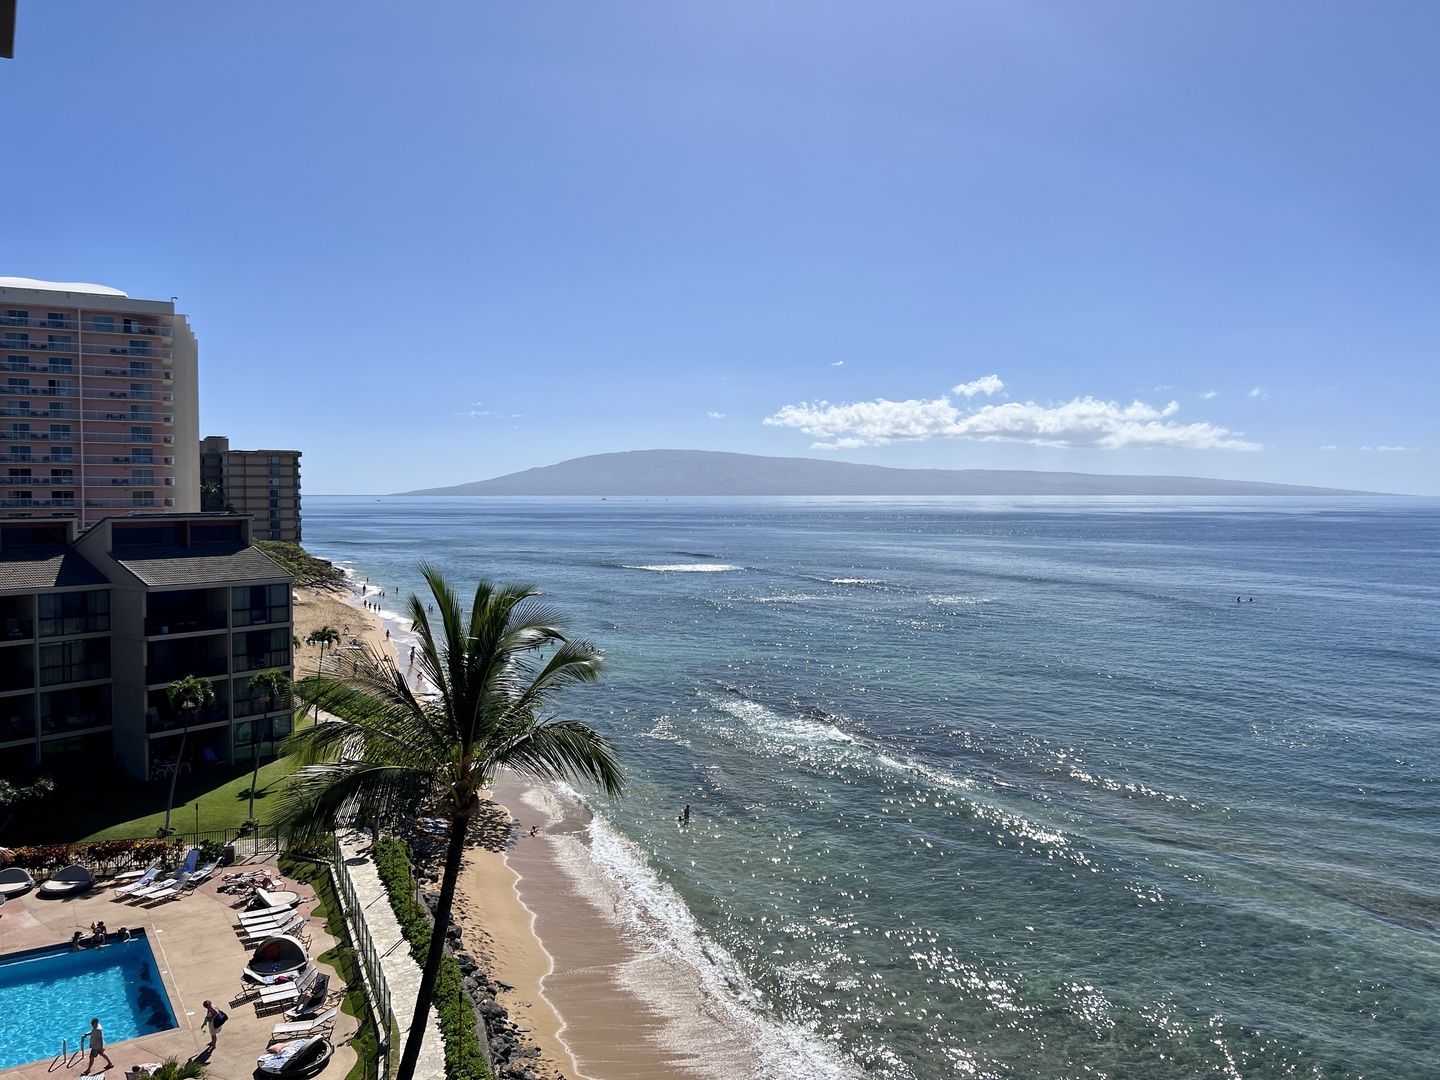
95	626
99	404
264	484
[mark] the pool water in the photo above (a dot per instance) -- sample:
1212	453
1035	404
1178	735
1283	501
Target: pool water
50	994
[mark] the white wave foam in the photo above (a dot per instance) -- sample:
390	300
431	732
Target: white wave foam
685	568
715	1012
791	729
855	581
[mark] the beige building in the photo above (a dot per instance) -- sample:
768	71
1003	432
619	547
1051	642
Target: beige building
263	484
99	404
94	627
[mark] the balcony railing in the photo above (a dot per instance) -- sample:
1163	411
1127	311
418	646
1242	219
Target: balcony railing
40	414
37	481
16	629
124	373
15	727
101	437
130	395
55	675
49	725
128	481
184	622
277	658
39	391
155	720
92	349
126	504
102	459
35	345
206	668
26	504
134	329
124	417
47	323
53	368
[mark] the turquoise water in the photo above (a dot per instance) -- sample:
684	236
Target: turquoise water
1007	788
50	994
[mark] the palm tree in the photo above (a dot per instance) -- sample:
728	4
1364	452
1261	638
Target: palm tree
175	1069
495	669
272	684
322	636
187	697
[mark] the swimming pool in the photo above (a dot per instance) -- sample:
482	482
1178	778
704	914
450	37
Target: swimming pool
47	994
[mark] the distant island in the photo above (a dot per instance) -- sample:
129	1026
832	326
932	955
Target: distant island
708	472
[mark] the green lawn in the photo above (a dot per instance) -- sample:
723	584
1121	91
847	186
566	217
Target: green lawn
122	807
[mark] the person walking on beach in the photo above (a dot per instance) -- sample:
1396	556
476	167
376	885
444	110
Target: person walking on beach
97	1047
216	1019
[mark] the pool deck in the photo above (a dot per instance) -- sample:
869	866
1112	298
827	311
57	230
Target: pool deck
200	957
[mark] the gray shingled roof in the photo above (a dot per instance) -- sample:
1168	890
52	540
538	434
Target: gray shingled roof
51	567
159	566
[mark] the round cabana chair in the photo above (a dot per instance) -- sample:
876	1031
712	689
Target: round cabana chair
71	881
280	898
274	957
302	1058
15	880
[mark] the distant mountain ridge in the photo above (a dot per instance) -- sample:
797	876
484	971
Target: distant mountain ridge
710	472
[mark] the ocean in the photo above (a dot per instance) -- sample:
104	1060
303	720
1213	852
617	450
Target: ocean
1005	787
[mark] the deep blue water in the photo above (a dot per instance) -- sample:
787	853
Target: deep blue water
1013	788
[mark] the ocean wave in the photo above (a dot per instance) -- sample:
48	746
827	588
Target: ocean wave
854	581
684	568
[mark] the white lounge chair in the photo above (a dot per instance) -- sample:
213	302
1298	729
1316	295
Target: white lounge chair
71	881
253	936
143	882
201	874
272	997
15	880
250	918
305	1027
169	891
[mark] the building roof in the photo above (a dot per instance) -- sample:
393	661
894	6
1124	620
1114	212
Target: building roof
49	567
61	286
210	565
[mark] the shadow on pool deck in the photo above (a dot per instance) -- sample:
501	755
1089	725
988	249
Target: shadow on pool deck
200	957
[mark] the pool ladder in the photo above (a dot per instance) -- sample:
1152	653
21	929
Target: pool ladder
64	1056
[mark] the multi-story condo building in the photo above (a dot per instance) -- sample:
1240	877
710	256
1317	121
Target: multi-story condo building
94	627
99	403
265	484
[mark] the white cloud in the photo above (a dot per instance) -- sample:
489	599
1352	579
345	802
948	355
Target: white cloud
1208	394
1329	446
1081	423
838	363
987	385
716	415
1258	392
1388	449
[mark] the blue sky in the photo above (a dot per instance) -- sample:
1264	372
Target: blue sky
439	242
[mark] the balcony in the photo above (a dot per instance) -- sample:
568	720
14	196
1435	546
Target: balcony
122	373
53	368
101	459
42	323
127	481
16	628
15	344
39	504
125	504
40	391
101	437
36	481
262	661
134	329
130	395
170	720
55	675
72	625
117	417
15	725
92	349
39	414
191	622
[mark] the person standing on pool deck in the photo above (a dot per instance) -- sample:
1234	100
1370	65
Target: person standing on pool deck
97	1046
216	1019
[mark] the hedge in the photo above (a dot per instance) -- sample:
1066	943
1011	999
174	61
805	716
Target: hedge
103	856
464	1059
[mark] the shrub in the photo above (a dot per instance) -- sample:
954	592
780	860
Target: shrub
463	1057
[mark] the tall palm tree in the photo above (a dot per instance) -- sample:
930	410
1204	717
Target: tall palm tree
272	684
495	669
187	696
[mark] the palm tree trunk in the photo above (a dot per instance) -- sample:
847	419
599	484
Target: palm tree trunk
174	776
454	855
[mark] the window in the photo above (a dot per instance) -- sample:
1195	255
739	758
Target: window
140	369
142	434
61	387
274	504
142	498
274	470
142	455
74	613
62	498
58	319
62	474
19	453
60	431
142	412
140	390
61	342
62	453
143	476
272	460
16	317
104	324
139	348
61	365
17	341
17	363
260	649
133	536
227	532
75	661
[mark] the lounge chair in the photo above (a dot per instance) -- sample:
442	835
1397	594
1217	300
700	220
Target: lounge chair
300	1028
303	1058
254	935
311	1001
71	881
168	891
278	956
144	881
282	994
15	880
248	918
264	899
201	874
